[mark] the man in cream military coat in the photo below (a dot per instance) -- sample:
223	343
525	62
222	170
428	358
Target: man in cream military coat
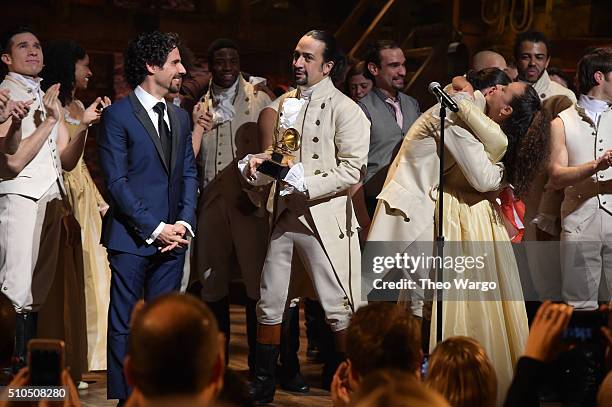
31	184
314	215
581	157
233	234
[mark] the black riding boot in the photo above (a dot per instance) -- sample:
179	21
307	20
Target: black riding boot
221	310
290	377
263	386
25	329
251	328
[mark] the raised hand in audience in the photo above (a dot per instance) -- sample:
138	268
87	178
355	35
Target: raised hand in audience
341	387
544	340
22	378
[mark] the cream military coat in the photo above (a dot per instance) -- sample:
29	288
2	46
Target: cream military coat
335	141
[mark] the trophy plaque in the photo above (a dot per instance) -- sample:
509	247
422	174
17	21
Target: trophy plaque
277	166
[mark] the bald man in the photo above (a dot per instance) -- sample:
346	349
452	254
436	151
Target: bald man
175	354
488	59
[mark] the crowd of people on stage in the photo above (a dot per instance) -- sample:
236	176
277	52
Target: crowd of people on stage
210	178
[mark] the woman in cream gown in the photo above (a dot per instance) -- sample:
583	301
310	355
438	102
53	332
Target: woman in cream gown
475	148
68	63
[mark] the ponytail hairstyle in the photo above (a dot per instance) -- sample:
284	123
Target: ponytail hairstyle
528	132
332	52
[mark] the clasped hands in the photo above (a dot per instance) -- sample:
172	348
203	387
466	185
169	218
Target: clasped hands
11	109
172	237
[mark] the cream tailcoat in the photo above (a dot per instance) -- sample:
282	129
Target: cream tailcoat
335	142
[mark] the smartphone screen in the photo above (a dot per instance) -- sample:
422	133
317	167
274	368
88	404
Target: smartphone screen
45	367
585	327
424	366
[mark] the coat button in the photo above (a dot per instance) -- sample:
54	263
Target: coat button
601	175
246	99
317	172
246	112
318	122
543	95
341	236
322	105
316	139
601	140
324	174
315	156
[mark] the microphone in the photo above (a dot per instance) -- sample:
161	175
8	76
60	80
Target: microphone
438	92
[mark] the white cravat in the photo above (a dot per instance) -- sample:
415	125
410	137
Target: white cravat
593	107
223	107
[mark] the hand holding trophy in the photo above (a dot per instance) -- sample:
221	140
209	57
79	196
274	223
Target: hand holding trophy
278	165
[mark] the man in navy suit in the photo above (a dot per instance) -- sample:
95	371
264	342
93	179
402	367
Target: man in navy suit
147	158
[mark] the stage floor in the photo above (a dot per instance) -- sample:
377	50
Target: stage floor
95	396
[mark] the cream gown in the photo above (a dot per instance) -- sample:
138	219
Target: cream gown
86	202
407	210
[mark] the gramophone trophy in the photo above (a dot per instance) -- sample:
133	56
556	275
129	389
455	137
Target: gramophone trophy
277	166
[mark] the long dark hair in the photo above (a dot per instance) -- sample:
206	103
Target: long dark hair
487	77
528	132
60	59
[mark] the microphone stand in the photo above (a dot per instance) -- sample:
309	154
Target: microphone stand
440	228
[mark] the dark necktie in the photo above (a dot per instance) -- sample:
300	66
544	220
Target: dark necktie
164	132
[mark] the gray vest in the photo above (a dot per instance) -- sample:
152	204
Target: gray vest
385	134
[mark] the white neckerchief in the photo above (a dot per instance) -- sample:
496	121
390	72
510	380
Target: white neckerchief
307	91
31	82
223	107
593	107
292	106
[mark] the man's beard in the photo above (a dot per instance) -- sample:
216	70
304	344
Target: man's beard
524	77
398	87
302	81
172	88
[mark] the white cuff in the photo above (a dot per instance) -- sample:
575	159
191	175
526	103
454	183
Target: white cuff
187	226
295	177
256	180
546	223
155	233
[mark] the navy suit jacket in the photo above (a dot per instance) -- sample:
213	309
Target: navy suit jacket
144	189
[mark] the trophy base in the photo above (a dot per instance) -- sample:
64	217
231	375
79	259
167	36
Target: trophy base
273	169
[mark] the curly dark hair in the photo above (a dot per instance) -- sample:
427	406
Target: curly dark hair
148	48
60	60
528	132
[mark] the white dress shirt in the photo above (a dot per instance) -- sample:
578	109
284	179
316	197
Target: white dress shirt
148	101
